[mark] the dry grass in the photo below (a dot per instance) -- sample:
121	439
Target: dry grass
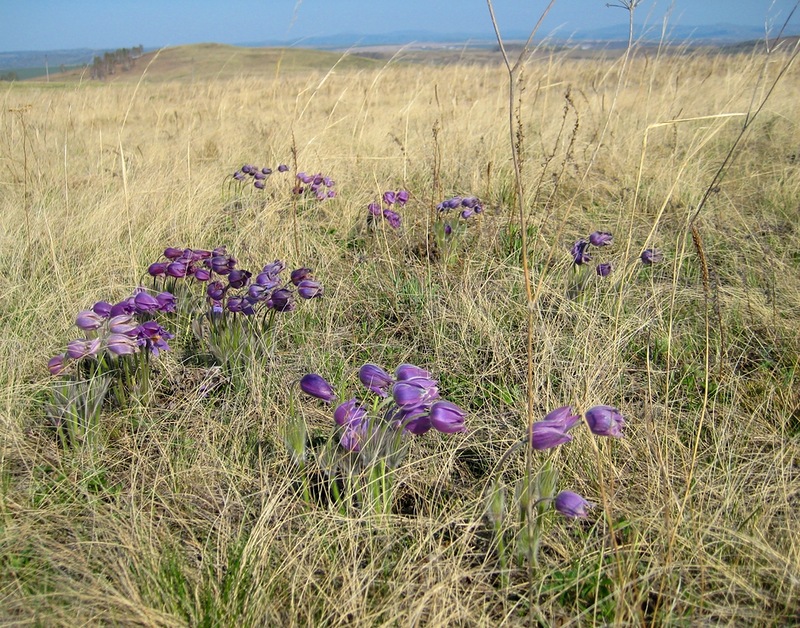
186	513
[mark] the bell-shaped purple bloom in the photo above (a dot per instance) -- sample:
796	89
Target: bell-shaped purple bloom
349	412
419	426
122	324
572	505
374	209
83	348
221	264
316	386
259	184
89	320
354	435
563	418
309	289
393	218
283	168
173	253
274	268
121	344
103	308
157	269
144	302
651	256
176	269
376	379
579	252
240	305
258	293
126	306
601	238
547	434
447	417
239	278
57	363
415	392
402	197
605	421
166	302
604	269
299	274
281	301
216	290
410	371
201	274
389	197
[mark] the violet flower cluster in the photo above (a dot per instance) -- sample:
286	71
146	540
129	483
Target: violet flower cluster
408	402
469	206
232	289
257	175
390	199
121	329
314	185
553	431
580	251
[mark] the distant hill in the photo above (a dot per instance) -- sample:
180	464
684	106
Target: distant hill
184	63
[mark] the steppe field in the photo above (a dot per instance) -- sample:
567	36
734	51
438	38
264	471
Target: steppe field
170	463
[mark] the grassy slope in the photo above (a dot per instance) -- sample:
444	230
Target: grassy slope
186	513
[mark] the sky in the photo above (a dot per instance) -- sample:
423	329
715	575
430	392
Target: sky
110	24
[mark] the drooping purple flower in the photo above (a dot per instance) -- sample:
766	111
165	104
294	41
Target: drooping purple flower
316	386
259	184
299	274
605	421
274	268
447	417
376	379
283	168
572	505
201	274
409	371
375	209
309	289
103	308
601	238
122	324
651	256
157	269
563	418
240	305
166	301
257	292
604	269
144	302
420	425
220	264
579	252
172	253
281	301
354	435
389	197
176	269
393	218
239	278
402	197
415	392
349	412
89	320
216	290
83	348
546	435
126	306
57	363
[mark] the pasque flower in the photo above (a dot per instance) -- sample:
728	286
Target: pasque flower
600	238
579	252
563	418
447	417
376	379
605	421
572	505
548	434
651	256
604	269
316	386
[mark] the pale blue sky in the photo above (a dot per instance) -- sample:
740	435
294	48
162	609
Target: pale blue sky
65	24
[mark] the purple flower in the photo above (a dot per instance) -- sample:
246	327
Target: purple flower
153	336
239	278
82	348
173	253
299	274
89	320
604	269
392	217
548	434
605	421
201	274
354	435
281	301
216	290
259	184
122	324
316	386
572	505
349	412
123	307
389	198
409	371
579	254
601	238
166	301
447	417
103	308
176	269
283	168
376	379
144	302
563	418
415	392
157	269
56	364
374	209
402	197
309	289
419	426
651	256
